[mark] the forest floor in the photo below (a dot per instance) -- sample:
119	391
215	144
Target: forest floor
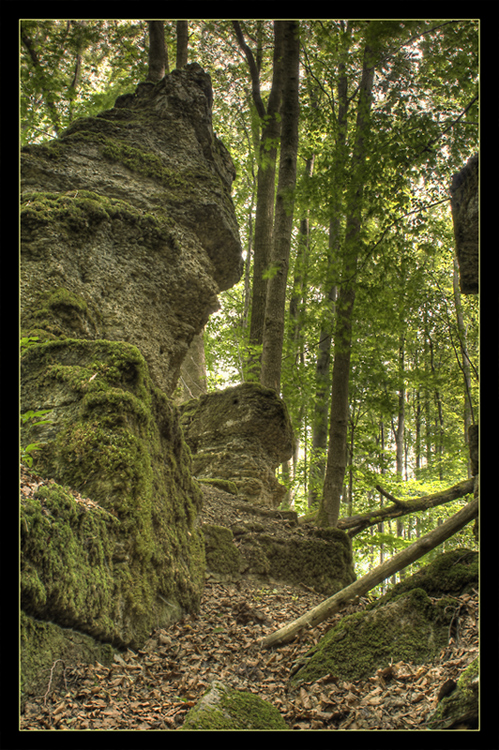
153	688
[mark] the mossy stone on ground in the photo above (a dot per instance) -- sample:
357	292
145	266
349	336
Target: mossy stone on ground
410	628
223	708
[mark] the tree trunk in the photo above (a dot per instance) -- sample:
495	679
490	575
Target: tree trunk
193	370
338	421
264	216
358	523
158	55
465	362
322	371
273	332
182	43
360	587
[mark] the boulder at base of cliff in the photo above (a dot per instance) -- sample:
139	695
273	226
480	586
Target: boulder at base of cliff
404	625
241	434
223	708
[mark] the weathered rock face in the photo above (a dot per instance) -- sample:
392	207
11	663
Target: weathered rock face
240	434
464	204
128	228
244	540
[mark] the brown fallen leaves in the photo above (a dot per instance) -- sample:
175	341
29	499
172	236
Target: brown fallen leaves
155	687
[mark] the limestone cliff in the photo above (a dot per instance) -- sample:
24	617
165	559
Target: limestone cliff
128	228
128	234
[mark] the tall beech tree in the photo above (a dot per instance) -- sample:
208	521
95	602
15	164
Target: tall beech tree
275	305
338	420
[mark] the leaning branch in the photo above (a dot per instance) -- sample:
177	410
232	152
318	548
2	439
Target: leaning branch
407	556
356	524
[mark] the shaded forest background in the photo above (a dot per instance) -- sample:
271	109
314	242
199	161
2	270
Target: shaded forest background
361	269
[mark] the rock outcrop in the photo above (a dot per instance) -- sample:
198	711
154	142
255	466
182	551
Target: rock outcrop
247	541
465	215
128	235
241	434
128	227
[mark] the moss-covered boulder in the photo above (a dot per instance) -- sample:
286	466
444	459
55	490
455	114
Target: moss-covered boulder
459	710
223	708
453	573
134	559
320	559
241	434
409	628
43	643
222	556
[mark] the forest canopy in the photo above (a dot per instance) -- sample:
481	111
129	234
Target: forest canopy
345	136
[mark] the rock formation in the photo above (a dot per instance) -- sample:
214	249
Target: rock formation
240	434
128	234
464	205
128	228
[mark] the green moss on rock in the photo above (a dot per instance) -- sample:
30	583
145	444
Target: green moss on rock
42	643
222	556
461	706
223	708
410	628
115	438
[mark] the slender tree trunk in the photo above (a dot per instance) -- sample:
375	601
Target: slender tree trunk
193	370
273	333
322	371
465	362
264	217
182	43
158	55
338	421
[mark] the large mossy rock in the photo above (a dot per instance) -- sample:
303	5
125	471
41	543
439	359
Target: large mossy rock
245	540
410	628
465	214
224	708
127	225
135	560
404	625
240	434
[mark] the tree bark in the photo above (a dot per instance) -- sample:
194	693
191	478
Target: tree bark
401	560
182	43
322	371
273	332
264	215
338	421
358	523
158	55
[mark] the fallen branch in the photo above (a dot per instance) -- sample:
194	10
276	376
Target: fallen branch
358	523
360	587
